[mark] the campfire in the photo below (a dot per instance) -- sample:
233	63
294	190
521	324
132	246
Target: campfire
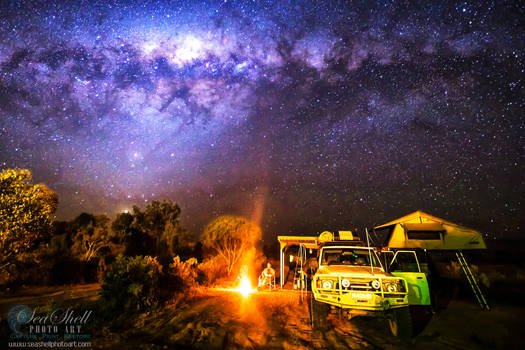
242	284
245	285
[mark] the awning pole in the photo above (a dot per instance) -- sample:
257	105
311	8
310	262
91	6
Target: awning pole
281	265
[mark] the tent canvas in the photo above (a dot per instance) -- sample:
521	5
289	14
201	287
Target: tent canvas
421	230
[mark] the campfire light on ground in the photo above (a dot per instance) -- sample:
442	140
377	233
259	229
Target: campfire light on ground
243	284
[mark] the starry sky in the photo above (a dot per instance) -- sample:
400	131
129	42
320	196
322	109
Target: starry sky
300	115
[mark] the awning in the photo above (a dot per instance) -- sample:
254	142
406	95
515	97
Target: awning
310	242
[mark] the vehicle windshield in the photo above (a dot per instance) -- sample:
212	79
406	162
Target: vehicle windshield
349	257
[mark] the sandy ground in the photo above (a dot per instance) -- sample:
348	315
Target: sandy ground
38	296
217	319
278	320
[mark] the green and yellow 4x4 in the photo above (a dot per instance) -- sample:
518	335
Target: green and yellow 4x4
352	279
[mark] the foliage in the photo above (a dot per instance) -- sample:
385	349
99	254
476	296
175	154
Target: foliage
131	284
184	273
155	216
230	237
121	226
156	230
453	270
91	236
213	269
174	239
184	269
26	213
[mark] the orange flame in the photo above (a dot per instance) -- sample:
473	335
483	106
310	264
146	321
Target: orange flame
245	286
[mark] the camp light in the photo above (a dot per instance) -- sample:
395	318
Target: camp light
345	283
376	284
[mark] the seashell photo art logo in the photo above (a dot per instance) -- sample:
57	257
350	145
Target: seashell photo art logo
17	316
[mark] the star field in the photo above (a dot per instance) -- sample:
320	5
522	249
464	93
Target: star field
301	115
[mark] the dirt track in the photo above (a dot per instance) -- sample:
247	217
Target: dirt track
277	320
39	296
215	319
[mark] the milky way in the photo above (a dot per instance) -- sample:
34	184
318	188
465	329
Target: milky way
301	115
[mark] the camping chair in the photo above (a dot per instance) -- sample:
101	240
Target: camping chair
267	282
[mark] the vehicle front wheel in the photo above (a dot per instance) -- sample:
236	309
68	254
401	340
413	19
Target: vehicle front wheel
318	313
401	323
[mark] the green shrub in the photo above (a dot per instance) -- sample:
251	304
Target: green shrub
131	284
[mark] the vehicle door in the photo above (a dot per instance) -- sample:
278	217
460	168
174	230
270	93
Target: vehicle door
405	263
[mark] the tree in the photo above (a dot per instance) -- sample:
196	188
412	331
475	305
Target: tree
156	216
121	226
230	237
174	239
26	213
156	231
91	235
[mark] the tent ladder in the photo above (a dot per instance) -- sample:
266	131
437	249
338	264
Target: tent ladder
472	281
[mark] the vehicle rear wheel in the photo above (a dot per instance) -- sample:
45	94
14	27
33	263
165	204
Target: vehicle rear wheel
401	323
318	314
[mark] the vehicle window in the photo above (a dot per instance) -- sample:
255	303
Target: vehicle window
350	257
405	262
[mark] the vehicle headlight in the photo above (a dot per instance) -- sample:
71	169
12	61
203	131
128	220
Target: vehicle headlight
328	284
391	287
345	283
376	284
401	286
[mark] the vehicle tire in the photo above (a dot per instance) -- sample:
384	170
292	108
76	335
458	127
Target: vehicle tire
318	313
401	323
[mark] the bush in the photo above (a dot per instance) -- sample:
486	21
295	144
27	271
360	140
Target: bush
213	269
181	275
186	270
453	270
131	284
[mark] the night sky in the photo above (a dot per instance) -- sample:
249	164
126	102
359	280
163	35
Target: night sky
300	115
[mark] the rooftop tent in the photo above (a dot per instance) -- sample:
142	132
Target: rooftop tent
421	230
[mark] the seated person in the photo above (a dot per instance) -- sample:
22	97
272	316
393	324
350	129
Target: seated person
267	276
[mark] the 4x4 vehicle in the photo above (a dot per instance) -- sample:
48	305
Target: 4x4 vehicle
353	280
